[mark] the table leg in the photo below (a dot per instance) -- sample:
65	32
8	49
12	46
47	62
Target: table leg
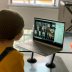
51	64
32	60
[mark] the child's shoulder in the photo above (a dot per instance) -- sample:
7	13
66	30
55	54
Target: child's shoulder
16	55
16	52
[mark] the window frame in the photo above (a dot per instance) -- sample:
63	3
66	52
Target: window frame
56	4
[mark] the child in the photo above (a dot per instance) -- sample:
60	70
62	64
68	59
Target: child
11	29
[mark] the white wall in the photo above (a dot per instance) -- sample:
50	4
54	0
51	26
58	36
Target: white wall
28	13
3	4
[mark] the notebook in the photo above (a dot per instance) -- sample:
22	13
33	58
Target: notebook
49	32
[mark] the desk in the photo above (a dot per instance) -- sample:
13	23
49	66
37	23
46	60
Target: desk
28	43
27	37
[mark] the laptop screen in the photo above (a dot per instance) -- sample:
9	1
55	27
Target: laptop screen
49	31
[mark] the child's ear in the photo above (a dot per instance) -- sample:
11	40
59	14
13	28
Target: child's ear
18	36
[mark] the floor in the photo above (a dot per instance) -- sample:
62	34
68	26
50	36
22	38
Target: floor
64	60
67	59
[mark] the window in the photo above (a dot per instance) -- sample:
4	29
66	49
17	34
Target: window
34	2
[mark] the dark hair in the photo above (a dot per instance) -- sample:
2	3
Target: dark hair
11	24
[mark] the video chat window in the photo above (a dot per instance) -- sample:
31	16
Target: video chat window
45	30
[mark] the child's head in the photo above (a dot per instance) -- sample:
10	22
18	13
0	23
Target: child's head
11	25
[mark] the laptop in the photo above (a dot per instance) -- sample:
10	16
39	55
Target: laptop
49	33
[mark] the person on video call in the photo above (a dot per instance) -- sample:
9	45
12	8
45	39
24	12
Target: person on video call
11	29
